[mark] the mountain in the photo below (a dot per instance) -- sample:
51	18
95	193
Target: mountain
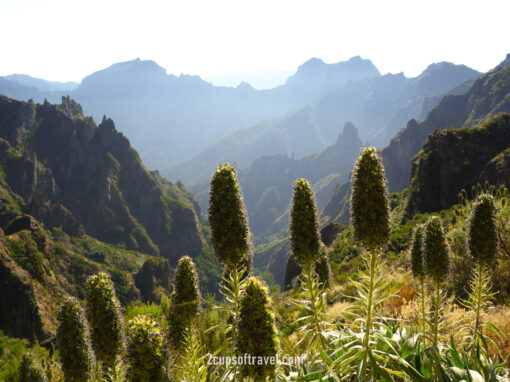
378	105
41	84
76	200
381	106
487	97
169	118
456	159
295	134
67	172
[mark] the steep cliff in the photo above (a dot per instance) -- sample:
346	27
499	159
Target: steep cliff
456	159
487	97
68	172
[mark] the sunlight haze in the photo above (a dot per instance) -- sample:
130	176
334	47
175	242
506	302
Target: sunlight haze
67	40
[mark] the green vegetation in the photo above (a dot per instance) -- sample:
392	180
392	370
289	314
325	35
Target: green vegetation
257	333
145	351
303	226
30	370
105	319
73	339
184	302
231	236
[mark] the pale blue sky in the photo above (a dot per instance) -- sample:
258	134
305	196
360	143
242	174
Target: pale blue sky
66	40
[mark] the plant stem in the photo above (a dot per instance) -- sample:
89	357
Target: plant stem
368	322
423	314
437	297
479	286
314	291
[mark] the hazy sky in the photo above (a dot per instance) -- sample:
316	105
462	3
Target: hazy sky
68	39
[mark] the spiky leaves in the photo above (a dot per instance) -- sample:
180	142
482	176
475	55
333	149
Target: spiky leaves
483	234
435	250
257	332
104	315
184	301
370	212
73	340
29	370
304	234
145	351
231	236
417	253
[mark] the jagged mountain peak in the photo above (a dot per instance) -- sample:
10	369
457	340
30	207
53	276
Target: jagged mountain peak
348	134
505	62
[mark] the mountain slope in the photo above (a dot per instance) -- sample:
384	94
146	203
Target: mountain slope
67	172
169	118
379	106
456	159
487	97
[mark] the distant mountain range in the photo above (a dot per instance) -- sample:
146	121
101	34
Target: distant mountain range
169	118
486	97
379	106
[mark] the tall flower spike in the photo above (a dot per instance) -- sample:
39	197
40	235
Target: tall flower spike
435	250
257	332
104	315
185	301
370	212
231	236
73	340
304	234
145	351
417	252
483	234
29	370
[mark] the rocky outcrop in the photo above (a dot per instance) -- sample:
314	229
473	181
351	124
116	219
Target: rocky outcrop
20	313
75	175
456	159
497	171
153	279
486	98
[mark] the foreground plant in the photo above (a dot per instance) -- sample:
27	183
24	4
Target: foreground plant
104	315
370	217
231	239
311	257
145	351
29	370
435	251
418	270
73	340
184	302
483	247
230	232
258	336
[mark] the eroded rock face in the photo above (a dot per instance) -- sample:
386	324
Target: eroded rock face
20	314
85	178
456	159
153	279
486	98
